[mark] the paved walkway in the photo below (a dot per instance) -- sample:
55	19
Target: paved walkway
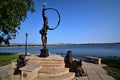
94	72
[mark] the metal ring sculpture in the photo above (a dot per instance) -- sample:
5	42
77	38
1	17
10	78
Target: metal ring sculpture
58	17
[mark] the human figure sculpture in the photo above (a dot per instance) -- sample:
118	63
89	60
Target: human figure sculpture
21	62
44	30
68	58
74	65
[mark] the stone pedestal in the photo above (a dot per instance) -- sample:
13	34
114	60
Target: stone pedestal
44	53
40	68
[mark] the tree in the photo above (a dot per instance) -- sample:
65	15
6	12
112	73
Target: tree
12	12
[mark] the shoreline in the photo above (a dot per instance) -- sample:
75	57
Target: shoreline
74	56
69	44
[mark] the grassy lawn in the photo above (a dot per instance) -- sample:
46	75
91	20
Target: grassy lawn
113	68
6	58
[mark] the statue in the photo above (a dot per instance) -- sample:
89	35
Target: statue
45	28
74	65
68	58
21	62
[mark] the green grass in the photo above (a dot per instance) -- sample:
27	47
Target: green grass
6	58
113	68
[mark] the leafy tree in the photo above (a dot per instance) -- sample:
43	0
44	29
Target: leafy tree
12	12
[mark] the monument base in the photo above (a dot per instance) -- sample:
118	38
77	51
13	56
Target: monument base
44	53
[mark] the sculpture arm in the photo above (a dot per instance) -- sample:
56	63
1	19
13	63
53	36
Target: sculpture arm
45	19
43	13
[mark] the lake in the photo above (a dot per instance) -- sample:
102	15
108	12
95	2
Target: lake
101	50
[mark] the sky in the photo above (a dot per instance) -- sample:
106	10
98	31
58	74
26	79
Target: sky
82	21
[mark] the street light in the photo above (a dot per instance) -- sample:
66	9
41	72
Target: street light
26	44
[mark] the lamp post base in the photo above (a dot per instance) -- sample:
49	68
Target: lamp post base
44	53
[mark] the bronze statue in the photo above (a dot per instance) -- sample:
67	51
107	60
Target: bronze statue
45	28
68	58
21	62
74	65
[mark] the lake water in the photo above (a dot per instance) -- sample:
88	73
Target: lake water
101	50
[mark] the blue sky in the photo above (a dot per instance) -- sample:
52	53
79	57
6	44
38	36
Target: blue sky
82	21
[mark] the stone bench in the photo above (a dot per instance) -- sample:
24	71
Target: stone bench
93	59
30	71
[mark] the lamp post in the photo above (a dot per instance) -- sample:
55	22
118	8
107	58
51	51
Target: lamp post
26	44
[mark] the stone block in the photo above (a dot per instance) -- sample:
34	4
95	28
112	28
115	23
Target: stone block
30	71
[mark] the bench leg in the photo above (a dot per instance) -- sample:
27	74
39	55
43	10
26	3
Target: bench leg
28	75
98	61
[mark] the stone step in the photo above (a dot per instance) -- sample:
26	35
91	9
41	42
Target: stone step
51	59
47	65
53	72
68	76
47	61
55	66
52	62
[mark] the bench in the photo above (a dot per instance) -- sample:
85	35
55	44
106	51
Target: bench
93	59
30	71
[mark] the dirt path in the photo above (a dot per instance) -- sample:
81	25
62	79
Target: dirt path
5	72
